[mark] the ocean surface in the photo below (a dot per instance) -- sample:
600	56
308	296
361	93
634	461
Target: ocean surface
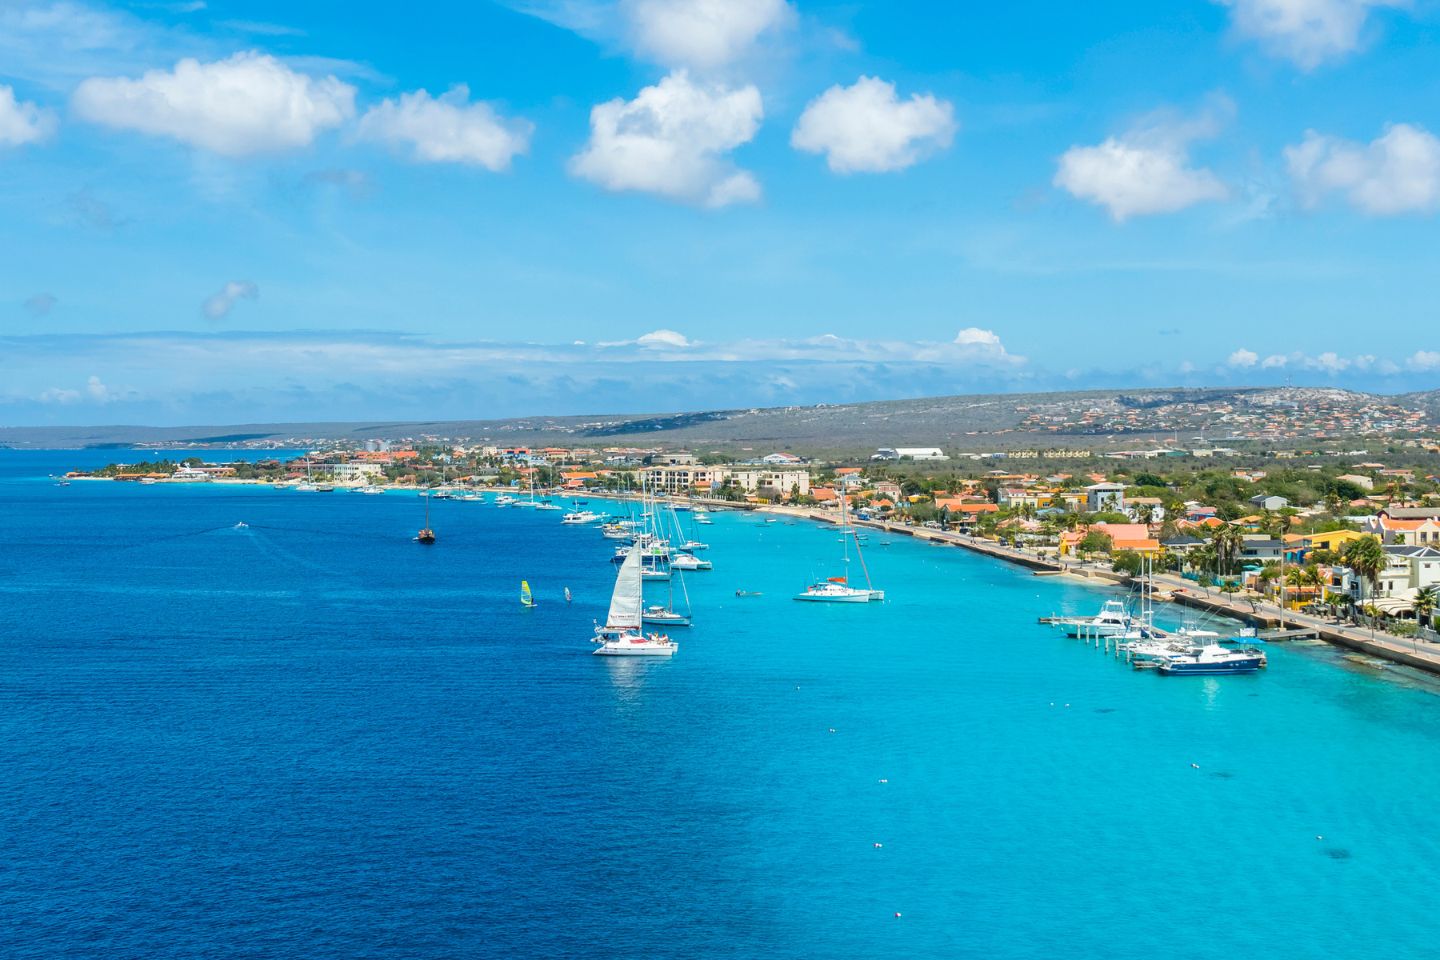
312	738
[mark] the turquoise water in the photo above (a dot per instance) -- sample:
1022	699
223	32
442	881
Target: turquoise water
310	737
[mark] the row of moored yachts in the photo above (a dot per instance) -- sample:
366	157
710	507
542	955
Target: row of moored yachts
1190	650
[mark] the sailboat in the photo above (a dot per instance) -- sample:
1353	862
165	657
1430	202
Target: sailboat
667	615
838	589
622	635
527	599
426	535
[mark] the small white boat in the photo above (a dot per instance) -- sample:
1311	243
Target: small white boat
703	518
1113	620
664	616
694	546
504	500
686	561
581	517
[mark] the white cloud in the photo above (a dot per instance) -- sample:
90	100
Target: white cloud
866	128
1398	172
1243	358
1274	362
250	103
972	336
702	34
1329	362
1145	171
218	305
22	122
1424	360
671	140
448	129
665	338
1307	32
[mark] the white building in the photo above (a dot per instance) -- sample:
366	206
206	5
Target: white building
909	453
1105	498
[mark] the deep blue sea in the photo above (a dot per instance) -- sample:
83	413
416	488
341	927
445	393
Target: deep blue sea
312	738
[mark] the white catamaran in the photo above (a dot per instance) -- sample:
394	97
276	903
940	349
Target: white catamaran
623	634
839	589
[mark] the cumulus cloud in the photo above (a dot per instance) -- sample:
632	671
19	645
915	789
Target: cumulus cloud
1424	360
448	129
1329	362
250	103
1243	358
702	34
1307	32
1146	170
665	338
1398	172
95	391
22	122
41	304
866	128
218	305
1274	362
672	140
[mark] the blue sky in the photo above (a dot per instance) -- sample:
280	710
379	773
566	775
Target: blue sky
227	211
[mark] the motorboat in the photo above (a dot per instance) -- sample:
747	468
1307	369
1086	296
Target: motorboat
1113	620
581	517
1213	660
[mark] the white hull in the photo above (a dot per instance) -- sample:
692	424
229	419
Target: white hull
631	647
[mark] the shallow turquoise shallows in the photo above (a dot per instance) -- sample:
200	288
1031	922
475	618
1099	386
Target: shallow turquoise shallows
309	737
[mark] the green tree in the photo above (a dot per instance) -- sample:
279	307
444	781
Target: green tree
1095	541
1127	561
1424	605
1365	556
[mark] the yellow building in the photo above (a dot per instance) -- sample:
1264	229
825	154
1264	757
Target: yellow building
1334	541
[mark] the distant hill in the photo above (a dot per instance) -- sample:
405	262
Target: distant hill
1097	419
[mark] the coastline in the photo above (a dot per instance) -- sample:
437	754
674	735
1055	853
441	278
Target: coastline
1260	614
1257	614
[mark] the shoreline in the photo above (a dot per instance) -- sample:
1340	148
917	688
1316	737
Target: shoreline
1183	592
1260	614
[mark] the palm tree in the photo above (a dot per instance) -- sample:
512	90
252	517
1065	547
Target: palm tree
1365	556
1227	541
1424	605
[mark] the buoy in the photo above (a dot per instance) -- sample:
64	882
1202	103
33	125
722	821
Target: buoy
1318	837
1067	704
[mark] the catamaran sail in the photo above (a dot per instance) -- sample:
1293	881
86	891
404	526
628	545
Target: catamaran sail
621	636
626	602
